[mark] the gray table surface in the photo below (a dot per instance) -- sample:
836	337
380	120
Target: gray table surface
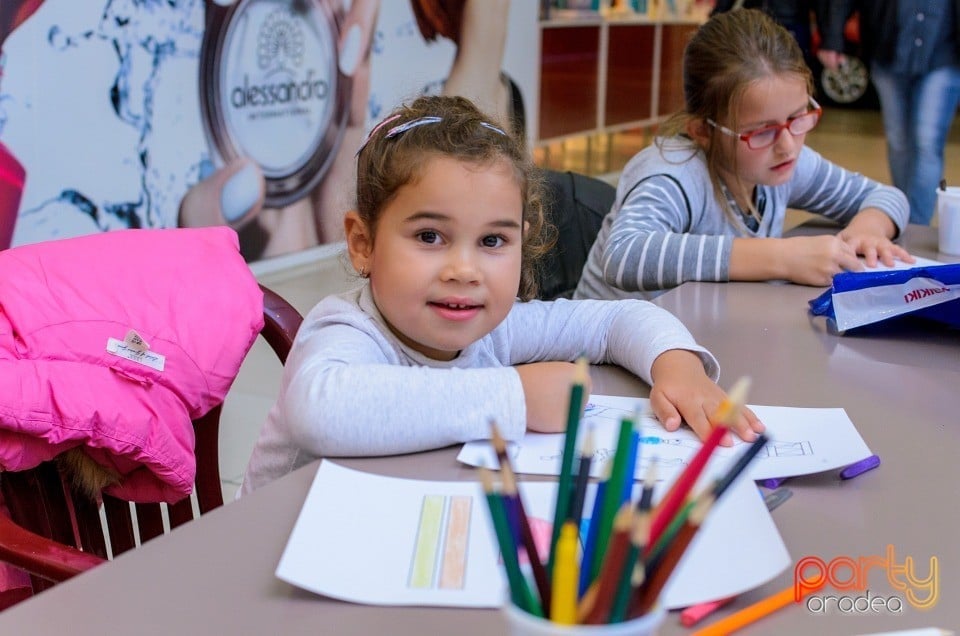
899	386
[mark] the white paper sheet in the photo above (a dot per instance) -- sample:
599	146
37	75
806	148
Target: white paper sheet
897	264
363	538
802	441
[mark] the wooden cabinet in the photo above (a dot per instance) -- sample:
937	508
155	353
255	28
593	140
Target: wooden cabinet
601	75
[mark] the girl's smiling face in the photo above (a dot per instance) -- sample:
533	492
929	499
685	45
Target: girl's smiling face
444	258
769	101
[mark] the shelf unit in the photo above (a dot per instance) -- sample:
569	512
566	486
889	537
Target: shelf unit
600	75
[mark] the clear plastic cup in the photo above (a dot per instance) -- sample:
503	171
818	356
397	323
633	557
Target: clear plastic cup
948	220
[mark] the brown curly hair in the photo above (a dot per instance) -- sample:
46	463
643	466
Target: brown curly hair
464	133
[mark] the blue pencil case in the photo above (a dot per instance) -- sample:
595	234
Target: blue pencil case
862	298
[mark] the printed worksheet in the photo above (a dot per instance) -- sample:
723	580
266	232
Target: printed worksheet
802	441
381	540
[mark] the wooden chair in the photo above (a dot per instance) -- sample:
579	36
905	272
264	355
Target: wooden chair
55	532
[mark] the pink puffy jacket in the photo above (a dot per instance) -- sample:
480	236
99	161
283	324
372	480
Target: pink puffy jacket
64	304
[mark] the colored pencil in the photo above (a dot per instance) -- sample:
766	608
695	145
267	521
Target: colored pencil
658	575
583	477
511	491
720	486
612	498
673	500
649	483
595	608
586	572
563	608
634	571
633	456
520	592
692	615
566	461
748	615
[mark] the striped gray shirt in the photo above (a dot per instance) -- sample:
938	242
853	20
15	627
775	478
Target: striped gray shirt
666	226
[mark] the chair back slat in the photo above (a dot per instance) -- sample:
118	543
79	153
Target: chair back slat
207	484
119	524
149	521
89	529
44	505
180	512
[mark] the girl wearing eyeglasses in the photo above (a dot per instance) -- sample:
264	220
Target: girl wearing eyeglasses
707	200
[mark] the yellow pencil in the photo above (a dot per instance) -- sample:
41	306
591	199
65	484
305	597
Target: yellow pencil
566	577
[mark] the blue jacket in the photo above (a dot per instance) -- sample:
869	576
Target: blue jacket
879	26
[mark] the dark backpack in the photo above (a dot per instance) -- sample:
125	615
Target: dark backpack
576	205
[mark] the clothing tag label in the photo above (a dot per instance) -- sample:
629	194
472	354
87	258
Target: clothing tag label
135	342
134	354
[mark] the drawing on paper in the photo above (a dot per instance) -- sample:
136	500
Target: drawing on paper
440	548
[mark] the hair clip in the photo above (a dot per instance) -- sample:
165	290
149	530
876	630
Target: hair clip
374	130
493	128
413	123
399	129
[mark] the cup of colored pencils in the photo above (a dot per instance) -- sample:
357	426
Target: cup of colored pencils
521	623
605	569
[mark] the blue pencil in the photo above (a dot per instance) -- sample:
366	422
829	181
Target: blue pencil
586	576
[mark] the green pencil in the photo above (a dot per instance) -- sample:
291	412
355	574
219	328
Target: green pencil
566	462
520	593
613	495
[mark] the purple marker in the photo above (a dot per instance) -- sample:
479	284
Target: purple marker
860	467
773	483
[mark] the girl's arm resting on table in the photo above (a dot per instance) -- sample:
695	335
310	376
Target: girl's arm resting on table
360	404
546	390
633	334
808	260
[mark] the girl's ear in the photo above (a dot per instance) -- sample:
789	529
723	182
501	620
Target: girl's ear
699	130
359	241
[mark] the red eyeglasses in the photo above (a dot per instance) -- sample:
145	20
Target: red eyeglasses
768	135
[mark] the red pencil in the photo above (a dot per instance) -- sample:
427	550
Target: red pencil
696	613
673	500
655	581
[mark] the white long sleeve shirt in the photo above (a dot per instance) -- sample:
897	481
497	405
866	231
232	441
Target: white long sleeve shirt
351	388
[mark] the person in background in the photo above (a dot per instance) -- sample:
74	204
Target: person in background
793	15
707	200
914	52
434	344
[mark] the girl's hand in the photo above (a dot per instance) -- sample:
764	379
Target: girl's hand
807	260
869	234
682	392
876	249
813	260
546	388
